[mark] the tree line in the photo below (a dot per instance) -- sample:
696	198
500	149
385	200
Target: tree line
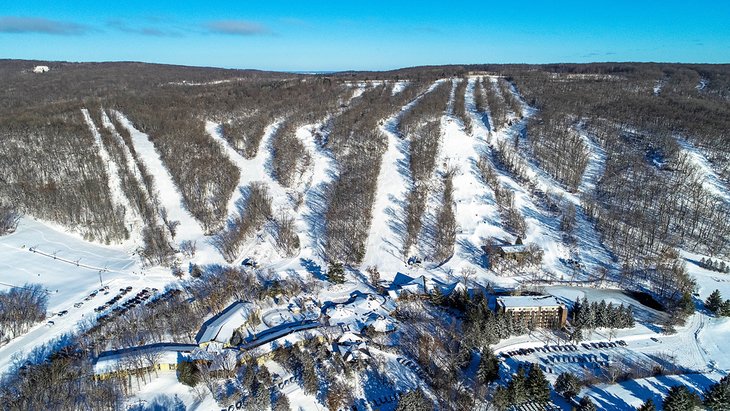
21	308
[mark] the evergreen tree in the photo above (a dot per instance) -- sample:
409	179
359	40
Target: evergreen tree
336	273
613	315
501	398
714	301
414	401
629	317
589	319
188	374
717	397
680	398
602	319
686	304
261	398
282	403
567	385
517	388
463	358
577	334
586	404
648	405
436	296
725	309
577	306
538	387
488	370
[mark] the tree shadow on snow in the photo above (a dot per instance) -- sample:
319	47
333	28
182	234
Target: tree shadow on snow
313	268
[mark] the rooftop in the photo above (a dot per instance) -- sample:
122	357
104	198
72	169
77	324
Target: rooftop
221	327
528	301
110	361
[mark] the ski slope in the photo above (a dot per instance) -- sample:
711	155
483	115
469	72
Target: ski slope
544	225
250	170
384	245
477	215
169	195
115	183
712	183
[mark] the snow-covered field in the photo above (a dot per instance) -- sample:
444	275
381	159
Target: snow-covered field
70	269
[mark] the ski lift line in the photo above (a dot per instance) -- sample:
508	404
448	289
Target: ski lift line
76	262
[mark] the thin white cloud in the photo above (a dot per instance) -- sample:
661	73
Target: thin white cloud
236	27
13	24
155	31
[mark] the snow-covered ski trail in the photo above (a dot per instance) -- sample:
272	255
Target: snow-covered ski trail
596	162
169	195
384	243
310	216
712	182
257	169
129	158
477	215
589	250
251	170
399	86
115	182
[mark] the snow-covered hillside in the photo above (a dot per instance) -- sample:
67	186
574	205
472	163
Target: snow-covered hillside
81	278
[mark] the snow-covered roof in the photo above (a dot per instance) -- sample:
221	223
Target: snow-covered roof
383	324
356	354
528	301
401	279
420	285
164	353
450	288
349	338
221	327
360	311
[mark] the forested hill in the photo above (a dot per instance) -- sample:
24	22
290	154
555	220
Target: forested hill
191	189
641	148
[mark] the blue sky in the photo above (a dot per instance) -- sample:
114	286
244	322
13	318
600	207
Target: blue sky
358	35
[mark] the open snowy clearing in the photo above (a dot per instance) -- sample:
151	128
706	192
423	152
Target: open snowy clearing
67	283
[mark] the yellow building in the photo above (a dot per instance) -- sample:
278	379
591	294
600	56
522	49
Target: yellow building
147	358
